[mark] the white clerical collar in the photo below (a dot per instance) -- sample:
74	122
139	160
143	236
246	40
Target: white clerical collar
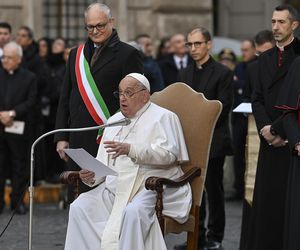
180	60
281	48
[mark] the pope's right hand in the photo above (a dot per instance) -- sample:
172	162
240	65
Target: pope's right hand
87	176
60	146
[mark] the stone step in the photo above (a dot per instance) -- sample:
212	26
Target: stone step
44	193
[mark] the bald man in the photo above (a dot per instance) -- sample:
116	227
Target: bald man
104	61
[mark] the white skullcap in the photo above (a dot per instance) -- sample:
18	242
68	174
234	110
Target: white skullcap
141	78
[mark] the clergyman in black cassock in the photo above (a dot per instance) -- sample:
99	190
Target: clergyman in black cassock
267	218
289	101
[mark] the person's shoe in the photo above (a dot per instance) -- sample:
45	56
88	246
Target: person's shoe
21	209
213	245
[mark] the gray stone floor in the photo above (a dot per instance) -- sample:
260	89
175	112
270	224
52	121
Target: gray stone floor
49	228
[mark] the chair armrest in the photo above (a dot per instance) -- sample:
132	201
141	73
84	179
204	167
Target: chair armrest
69	177
154	183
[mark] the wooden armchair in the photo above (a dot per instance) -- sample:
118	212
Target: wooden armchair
198	117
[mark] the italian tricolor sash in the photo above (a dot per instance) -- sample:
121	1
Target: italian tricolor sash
89	91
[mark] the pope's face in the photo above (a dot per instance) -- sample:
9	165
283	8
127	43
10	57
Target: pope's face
282	26
96	17
132	96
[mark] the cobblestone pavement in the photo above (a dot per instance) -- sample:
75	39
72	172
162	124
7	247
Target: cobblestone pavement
50	223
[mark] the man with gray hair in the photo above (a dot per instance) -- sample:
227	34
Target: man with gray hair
93	73
18	96
120	212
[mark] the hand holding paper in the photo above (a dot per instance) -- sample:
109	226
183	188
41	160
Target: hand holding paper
86	161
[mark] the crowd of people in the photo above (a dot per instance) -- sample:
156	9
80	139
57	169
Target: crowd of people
46	84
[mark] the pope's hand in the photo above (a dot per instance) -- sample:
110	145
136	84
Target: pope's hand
87	176
117	148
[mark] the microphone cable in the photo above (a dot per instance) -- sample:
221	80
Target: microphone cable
14	211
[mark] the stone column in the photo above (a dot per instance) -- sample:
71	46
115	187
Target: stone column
122	20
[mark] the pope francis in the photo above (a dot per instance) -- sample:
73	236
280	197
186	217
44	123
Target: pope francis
120	213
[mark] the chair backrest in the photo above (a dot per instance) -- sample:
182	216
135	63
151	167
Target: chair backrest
198	117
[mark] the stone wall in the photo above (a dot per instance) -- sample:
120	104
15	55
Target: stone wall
242	19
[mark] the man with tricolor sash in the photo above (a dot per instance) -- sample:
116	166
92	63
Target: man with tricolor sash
93	73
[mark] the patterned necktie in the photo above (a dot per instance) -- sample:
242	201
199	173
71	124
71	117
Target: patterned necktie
95	55
280	57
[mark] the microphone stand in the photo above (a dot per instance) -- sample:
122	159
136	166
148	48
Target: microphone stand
121	122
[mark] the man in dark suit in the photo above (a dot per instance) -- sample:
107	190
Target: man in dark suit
18	96
214	80
179	59
109	60
269	200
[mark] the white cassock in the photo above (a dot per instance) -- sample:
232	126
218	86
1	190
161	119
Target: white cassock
120	212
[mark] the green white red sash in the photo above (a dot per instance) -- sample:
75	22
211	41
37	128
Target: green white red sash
89	91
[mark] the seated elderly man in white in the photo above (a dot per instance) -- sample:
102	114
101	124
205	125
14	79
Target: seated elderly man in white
120	212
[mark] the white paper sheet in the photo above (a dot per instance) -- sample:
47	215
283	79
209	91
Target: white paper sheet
244	107
16	128
87	161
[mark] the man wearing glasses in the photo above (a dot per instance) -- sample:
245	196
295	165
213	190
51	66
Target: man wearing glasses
120	213
94	71
214	80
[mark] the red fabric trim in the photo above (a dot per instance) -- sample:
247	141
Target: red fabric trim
299	117
82	91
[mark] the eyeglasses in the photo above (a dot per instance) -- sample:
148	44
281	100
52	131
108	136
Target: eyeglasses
196	44
99	26
126	93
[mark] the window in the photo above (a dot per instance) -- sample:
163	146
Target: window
65	18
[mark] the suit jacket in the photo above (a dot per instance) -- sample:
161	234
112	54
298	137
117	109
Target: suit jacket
271	79
216	85
18	92
169	69
116	60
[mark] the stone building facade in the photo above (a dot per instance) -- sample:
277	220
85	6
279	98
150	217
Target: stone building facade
64	18
237	19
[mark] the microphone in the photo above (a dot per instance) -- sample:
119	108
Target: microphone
122	122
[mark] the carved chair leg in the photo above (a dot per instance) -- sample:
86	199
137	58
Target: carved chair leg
159	208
